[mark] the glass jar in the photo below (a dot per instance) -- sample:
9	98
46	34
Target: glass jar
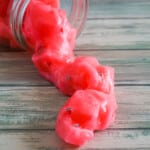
76	11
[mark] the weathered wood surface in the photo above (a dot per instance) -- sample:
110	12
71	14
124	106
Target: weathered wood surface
37	107
119	9
47	140
117	33
117	24
131	66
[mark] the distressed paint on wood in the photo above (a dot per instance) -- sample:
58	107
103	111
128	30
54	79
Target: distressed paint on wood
117	24
129	139
131	67
119	9
37	107
29	104
115	34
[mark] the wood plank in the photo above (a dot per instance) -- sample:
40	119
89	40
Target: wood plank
37	107
120	24
48	140
119	8
131	67
116	8
115	34
17	69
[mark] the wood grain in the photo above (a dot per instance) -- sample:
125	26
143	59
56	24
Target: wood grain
119	9
132	67
37	107
117	24
115	34
48	140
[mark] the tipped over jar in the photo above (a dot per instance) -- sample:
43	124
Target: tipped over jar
14	12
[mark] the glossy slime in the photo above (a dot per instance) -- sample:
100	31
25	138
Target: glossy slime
92	105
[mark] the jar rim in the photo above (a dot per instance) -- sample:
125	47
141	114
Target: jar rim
16	18
79	14
77	18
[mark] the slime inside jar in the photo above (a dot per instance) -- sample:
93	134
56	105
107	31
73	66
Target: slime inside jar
5	32
48	32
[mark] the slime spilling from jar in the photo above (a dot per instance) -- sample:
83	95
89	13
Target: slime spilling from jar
51	39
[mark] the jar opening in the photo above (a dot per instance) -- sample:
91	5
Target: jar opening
76	11
16	18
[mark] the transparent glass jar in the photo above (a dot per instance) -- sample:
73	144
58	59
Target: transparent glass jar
77	11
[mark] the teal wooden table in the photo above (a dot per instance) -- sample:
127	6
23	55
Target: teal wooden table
118	34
